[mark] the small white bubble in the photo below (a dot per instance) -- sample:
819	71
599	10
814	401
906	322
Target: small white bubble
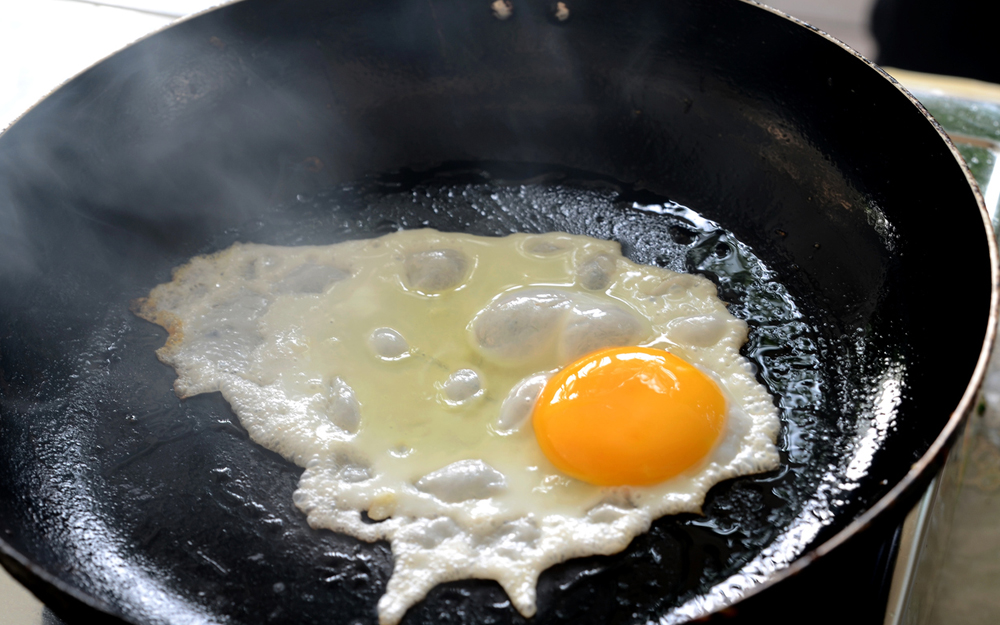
388	344
462	385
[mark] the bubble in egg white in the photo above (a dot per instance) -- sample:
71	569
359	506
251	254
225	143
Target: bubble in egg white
342	406
402	372
433	271
461	386
596	273
464	480
388	344
519	403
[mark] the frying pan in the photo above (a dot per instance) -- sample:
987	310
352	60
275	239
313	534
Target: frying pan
832	212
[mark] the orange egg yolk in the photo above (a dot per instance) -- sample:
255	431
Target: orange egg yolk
628	416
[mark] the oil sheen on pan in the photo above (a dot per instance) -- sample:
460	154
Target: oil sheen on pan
468	332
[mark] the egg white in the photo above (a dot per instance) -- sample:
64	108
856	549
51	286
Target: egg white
400	372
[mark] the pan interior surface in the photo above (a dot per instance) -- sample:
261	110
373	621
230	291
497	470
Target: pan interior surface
711	136
230	499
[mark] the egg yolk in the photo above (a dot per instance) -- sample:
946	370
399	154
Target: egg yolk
628	416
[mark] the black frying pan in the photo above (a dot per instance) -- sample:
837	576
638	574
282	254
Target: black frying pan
830	210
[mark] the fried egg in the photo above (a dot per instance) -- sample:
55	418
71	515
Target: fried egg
490	406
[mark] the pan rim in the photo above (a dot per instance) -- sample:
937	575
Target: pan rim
916	477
